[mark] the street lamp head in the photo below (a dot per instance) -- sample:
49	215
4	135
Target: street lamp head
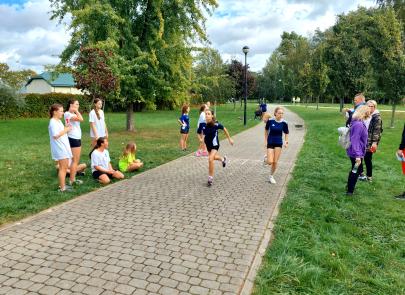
245	49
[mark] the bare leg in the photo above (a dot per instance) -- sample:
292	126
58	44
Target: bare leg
134	166
213	156
63	166
277	153
104	179
185	141
118	175
75	162
270	159
93	142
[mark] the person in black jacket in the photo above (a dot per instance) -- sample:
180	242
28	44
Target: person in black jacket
400	153
374	127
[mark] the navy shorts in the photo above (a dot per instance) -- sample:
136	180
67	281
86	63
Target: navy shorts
184	131
201	128
212	147
74	143
274	145
97	174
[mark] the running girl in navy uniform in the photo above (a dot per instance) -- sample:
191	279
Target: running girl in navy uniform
273	136
184	121
212	142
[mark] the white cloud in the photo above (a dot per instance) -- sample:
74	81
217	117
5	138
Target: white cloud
28	39
260	23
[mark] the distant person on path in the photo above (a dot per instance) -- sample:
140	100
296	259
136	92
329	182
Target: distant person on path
60	148
266	117
208	104
401	154
128	161
263	106
374	127
273	137
359	100
73	118
98	128
358	145
101	163
212	142
202	149
184	121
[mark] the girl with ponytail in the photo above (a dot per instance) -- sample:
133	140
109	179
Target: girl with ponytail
101	163
98	128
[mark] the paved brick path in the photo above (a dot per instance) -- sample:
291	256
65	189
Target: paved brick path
161	232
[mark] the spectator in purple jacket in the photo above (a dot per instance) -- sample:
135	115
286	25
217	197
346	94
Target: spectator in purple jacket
358	145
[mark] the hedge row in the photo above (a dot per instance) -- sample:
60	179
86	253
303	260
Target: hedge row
37	105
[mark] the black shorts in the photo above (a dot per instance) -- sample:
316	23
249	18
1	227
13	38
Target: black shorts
212	147
184	131
74	143
201	128
97	174
274	145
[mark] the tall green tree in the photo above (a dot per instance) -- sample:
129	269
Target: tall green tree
151	39
14	79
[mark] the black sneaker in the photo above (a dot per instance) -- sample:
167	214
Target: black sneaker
400	197
210	179
224	161
349	194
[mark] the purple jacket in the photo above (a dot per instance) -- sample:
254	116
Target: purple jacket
358	139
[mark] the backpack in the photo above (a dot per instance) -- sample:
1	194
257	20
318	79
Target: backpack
344	137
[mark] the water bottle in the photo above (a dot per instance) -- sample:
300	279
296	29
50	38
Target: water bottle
355	168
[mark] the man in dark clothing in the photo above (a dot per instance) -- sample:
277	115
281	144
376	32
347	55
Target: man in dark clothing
400	153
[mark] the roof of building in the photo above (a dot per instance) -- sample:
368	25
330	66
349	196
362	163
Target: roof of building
55	80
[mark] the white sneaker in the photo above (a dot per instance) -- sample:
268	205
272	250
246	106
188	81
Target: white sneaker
272	180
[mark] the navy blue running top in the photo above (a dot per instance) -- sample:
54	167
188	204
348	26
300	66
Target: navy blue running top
184	118
276	130
211	134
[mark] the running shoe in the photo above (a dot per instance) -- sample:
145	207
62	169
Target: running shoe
272	180
224	161
198	153
67	188
210	180
204	153
363	178
400	197
76	182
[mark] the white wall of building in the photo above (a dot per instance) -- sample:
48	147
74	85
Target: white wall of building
38	86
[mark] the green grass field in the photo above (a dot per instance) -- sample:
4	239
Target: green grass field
327	243
28	179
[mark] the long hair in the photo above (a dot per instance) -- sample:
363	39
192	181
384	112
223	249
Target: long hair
202	108
96	100
70	102
184	109
361	113
129	149
53	108
214	120
99	142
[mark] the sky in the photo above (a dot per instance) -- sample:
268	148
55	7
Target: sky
28	39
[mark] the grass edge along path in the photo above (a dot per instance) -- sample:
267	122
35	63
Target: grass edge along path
325	242
28	181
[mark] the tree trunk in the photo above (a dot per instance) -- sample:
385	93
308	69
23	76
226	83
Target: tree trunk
130	117
317	103
394	106
341	104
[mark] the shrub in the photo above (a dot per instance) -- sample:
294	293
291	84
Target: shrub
37	105
10	101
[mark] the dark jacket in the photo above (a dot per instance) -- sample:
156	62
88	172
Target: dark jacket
374	129
402	144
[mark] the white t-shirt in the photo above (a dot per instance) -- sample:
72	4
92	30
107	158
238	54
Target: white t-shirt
201	119
100	159
60	148
100	124
76	132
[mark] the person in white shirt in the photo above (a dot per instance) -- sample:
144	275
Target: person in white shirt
202	149
98	128
73	118
101	163
60	148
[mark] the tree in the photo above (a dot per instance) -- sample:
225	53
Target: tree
236	71
151	39
211	80
93	74
14	79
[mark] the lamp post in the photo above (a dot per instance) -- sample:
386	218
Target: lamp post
245	50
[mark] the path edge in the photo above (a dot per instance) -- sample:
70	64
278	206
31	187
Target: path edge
248	284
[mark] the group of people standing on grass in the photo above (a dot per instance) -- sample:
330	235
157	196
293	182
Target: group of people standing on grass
366	128
66	145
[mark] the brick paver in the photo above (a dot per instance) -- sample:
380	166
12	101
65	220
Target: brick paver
160	232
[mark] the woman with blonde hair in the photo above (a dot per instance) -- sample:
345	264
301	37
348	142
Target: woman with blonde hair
358	144
374	127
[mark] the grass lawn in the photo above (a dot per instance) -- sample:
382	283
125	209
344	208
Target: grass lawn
327	243
28	179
